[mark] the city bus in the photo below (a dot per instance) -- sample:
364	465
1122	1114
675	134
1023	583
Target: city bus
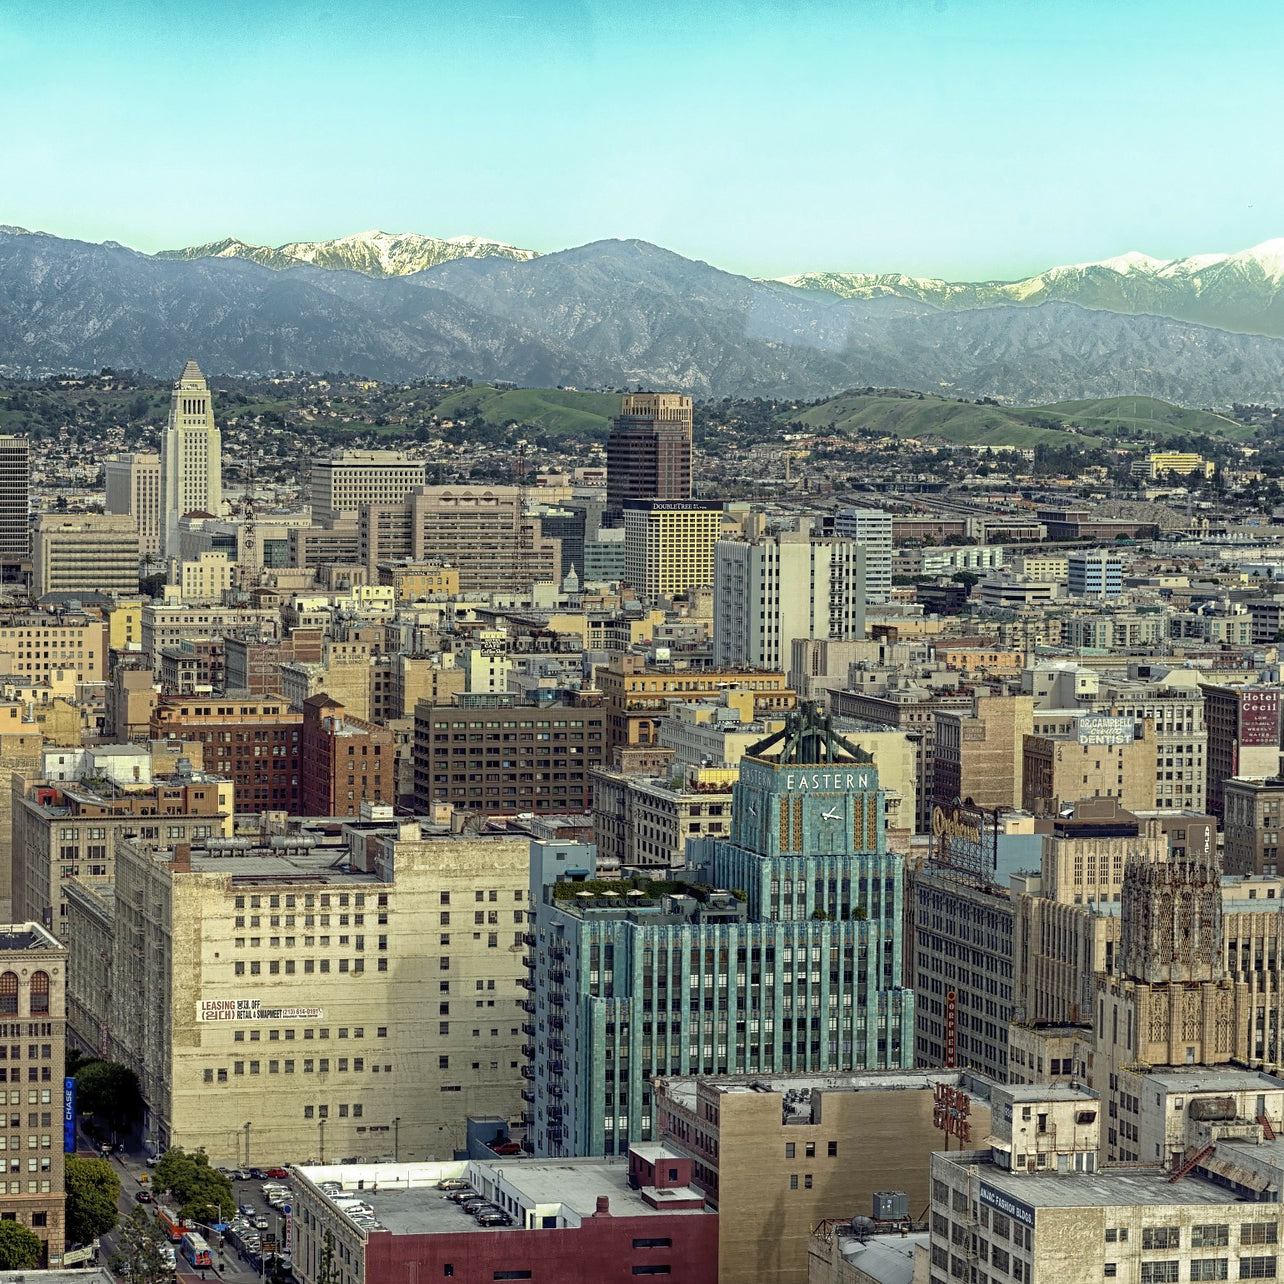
195	1249
170	1222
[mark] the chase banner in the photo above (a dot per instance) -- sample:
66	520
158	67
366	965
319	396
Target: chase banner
69	1115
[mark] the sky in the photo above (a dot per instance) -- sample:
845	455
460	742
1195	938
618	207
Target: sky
966	139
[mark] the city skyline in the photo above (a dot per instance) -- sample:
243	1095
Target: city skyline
976	141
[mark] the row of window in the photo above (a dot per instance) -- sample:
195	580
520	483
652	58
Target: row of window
311	1065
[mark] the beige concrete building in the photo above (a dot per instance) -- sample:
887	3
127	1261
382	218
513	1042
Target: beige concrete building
778	1155
639	821
1084	764
205	578
979	753
351	478
327	1000
33	1012
48	647
165	625
90	552
133	485
71	831
418	581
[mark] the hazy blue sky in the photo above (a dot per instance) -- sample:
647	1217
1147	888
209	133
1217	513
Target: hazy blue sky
960	138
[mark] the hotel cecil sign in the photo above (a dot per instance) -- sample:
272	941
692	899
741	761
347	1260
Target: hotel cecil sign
252	1010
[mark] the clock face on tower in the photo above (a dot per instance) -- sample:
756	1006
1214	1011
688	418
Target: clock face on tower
832	827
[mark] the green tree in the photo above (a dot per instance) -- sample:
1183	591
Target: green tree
20	1248
110	1092
92	1191
196	1187
138	1251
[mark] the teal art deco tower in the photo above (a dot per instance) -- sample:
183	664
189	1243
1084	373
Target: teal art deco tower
782	953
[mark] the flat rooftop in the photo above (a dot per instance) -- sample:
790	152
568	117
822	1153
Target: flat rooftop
1050	1092
684	1090
406	1200
26	936
1212	1079
1142	1185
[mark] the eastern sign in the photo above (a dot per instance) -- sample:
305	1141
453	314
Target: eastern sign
1013	1208
828	781
252	1010
1104	729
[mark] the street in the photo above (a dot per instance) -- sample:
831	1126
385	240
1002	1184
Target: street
228	1265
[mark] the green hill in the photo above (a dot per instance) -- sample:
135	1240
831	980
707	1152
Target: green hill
1129	421
552	409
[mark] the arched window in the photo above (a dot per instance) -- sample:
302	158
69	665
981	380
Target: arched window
9	994
39	993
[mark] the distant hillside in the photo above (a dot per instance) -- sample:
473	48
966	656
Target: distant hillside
552	409
1125	420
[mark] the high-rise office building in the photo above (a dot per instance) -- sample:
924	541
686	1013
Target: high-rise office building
15	499
793	584
85	553
191	456
1093	573
134	490
799	969
1243	723
351	478
871	528
648	454
668	544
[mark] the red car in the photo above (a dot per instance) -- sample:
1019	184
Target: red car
275	1172
507	1148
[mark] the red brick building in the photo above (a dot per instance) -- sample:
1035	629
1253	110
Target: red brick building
345	761
255	741
573	1221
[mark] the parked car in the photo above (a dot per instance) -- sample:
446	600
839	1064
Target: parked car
496	1218
507	1148
453	1183
463	1193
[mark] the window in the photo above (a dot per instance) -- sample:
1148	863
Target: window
1258	1233
1210	1268
1255	1268
1159	1272
1210	1236
39	993
1161	1237
1111	1270
793	1181
652	1270
832	1149
789	1150
511	1275
652	1243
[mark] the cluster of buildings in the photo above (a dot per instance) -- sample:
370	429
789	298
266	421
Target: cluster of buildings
805	902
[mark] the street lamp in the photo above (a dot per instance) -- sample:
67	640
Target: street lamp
321	1128
396	1140
247	1143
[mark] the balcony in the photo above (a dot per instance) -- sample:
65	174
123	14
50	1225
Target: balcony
556	1044
557	999
528	961
528	1072
525	982
557	1067
528	1028
526	1005
557	1023
528	938
528	1094
528	1051
558	975
556	1114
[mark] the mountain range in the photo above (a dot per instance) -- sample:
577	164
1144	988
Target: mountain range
370	253
616	313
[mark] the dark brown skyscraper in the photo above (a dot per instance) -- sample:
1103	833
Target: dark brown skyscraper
648	454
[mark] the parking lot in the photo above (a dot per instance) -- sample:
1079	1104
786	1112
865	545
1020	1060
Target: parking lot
257	1220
